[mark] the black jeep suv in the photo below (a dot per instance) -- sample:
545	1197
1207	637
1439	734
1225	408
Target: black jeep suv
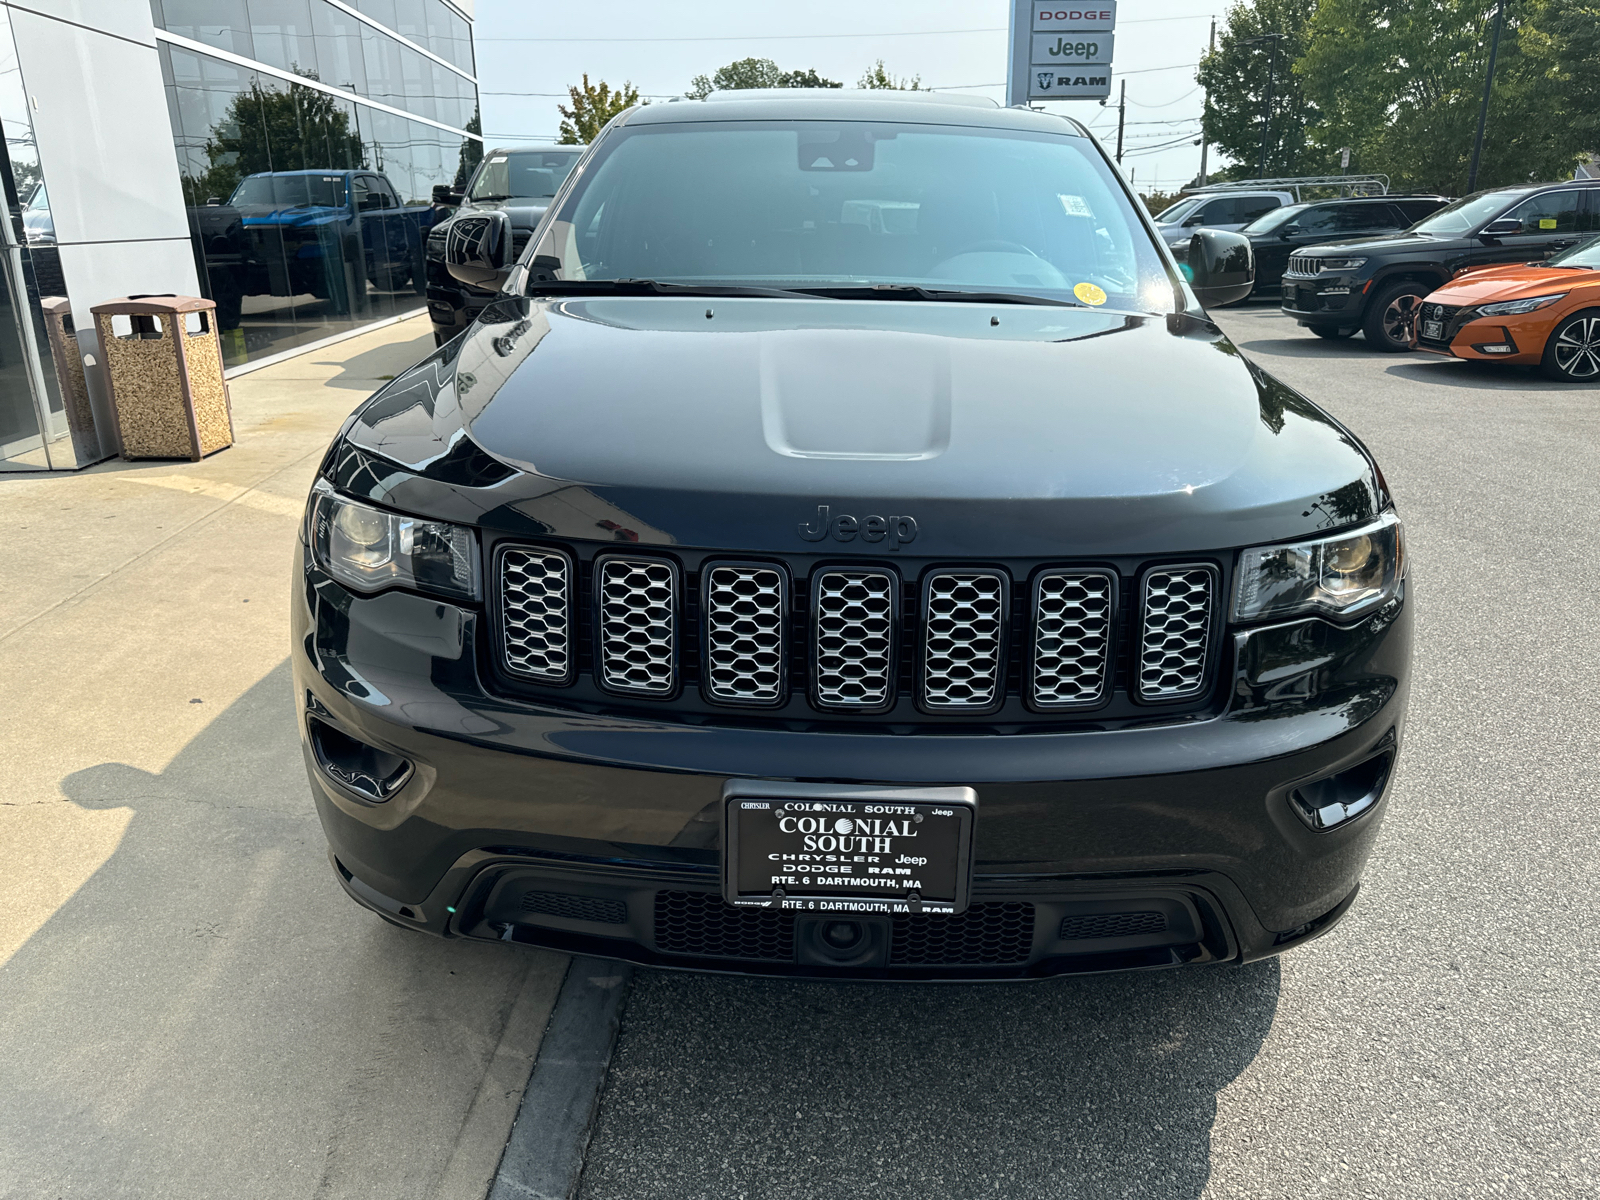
1285	231
1375	284
517	180
846	547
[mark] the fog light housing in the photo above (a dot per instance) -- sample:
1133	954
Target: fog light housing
373	774
1496	348
1331	802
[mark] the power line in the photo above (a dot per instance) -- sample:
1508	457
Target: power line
791	37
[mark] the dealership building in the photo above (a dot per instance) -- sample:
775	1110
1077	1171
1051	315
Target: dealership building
276	156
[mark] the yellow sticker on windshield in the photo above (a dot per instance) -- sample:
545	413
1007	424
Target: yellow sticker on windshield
1547	222
1089	294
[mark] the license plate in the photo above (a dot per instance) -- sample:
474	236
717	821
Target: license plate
1433	330
795	848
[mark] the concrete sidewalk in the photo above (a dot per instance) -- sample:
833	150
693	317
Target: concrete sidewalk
189	1006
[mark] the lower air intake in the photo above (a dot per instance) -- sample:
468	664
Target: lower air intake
984	935
576	908
1112	925
700	923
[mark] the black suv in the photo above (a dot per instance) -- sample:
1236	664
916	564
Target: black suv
1287	230
1375	284
518	180
846	547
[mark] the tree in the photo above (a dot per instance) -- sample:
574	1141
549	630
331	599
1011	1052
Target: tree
1235	76
471	151
877	78
270	129
1402	82
593	105
749	73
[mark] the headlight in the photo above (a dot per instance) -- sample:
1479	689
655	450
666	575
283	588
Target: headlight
1340	264
370	550
1509	308
1340	576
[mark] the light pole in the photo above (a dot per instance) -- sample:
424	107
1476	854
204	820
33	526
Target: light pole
1483	109
1205	106
1266	97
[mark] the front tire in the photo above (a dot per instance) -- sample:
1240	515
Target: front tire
1572	355
1332	334
1392	318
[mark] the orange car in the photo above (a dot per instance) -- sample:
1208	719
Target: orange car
1539	314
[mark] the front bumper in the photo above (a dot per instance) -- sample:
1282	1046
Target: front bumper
1515	339
599	834
1323	299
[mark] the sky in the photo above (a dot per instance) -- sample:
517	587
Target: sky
530	51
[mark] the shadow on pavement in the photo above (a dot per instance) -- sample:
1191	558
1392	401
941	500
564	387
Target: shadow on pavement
1095	1087
1310	346
364	372
208	1015
1462	373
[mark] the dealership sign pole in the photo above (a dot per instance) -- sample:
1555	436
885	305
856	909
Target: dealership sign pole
1060	51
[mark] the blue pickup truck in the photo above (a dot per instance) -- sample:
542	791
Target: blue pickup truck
329	233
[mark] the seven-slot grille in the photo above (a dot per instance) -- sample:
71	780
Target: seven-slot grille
536	608
1072	653
748	624
745	608
853	626
638	625
1301	264
963	663
1176	632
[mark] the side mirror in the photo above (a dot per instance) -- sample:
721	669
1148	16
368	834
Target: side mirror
477	250
1224	267
443	193
1501	228
213	201
1194	220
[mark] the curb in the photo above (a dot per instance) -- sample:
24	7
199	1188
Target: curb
543	1158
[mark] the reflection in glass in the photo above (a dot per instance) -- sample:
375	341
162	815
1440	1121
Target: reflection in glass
309	212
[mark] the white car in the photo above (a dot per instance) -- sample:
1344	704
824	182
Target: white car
1216	210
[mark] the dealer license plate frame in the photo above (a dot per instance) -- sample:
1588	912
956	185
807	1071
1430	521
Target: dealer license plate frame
949	882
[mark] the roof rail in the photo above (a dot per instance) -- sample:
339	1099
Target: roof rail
1343	185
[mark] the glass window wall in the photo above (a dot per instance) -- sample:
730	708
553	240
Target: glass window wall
309	211
324	42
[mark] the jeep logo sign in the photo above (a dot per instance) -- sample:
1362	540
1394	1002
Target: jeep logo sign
845	528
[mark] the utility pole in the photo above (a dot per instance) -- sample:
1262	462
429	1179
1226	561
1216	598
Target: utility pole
1122	113
1266	102
1483	110
1205	107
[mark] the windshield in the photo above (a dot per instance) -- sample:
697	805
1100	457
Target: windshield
1469	212
519	174
289	191
1275	218
1179	211
38	202
1585	254
851	204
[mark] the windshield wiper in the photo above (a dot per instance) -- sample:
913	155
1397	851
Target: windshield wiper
912	291
656	287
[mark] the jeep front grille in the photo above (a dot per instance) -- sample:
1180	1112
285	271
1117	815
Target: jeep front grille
1176	632
536	608
964	622
949	642
638	617
854	632
744	634
1300	264
1072	651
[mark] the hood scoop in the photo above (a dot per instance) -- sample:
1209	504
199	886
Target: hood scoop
855	394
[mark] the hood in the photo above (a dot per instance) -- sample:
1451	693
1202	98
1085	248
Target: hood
260	214
525	212
1385	243
1511	283
729	422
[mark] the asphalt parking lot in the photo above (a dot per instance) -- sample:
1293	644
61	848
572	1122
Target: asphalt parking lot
1441	1042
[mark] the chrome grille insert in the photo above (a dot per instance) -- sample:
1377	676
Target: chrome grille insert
638	600
536	608
962	655
1176	632
744	634
1072	652
854	614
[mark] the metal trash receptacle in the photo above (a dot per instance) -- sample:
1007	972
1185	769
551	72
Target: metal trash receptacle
164	379
69	377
